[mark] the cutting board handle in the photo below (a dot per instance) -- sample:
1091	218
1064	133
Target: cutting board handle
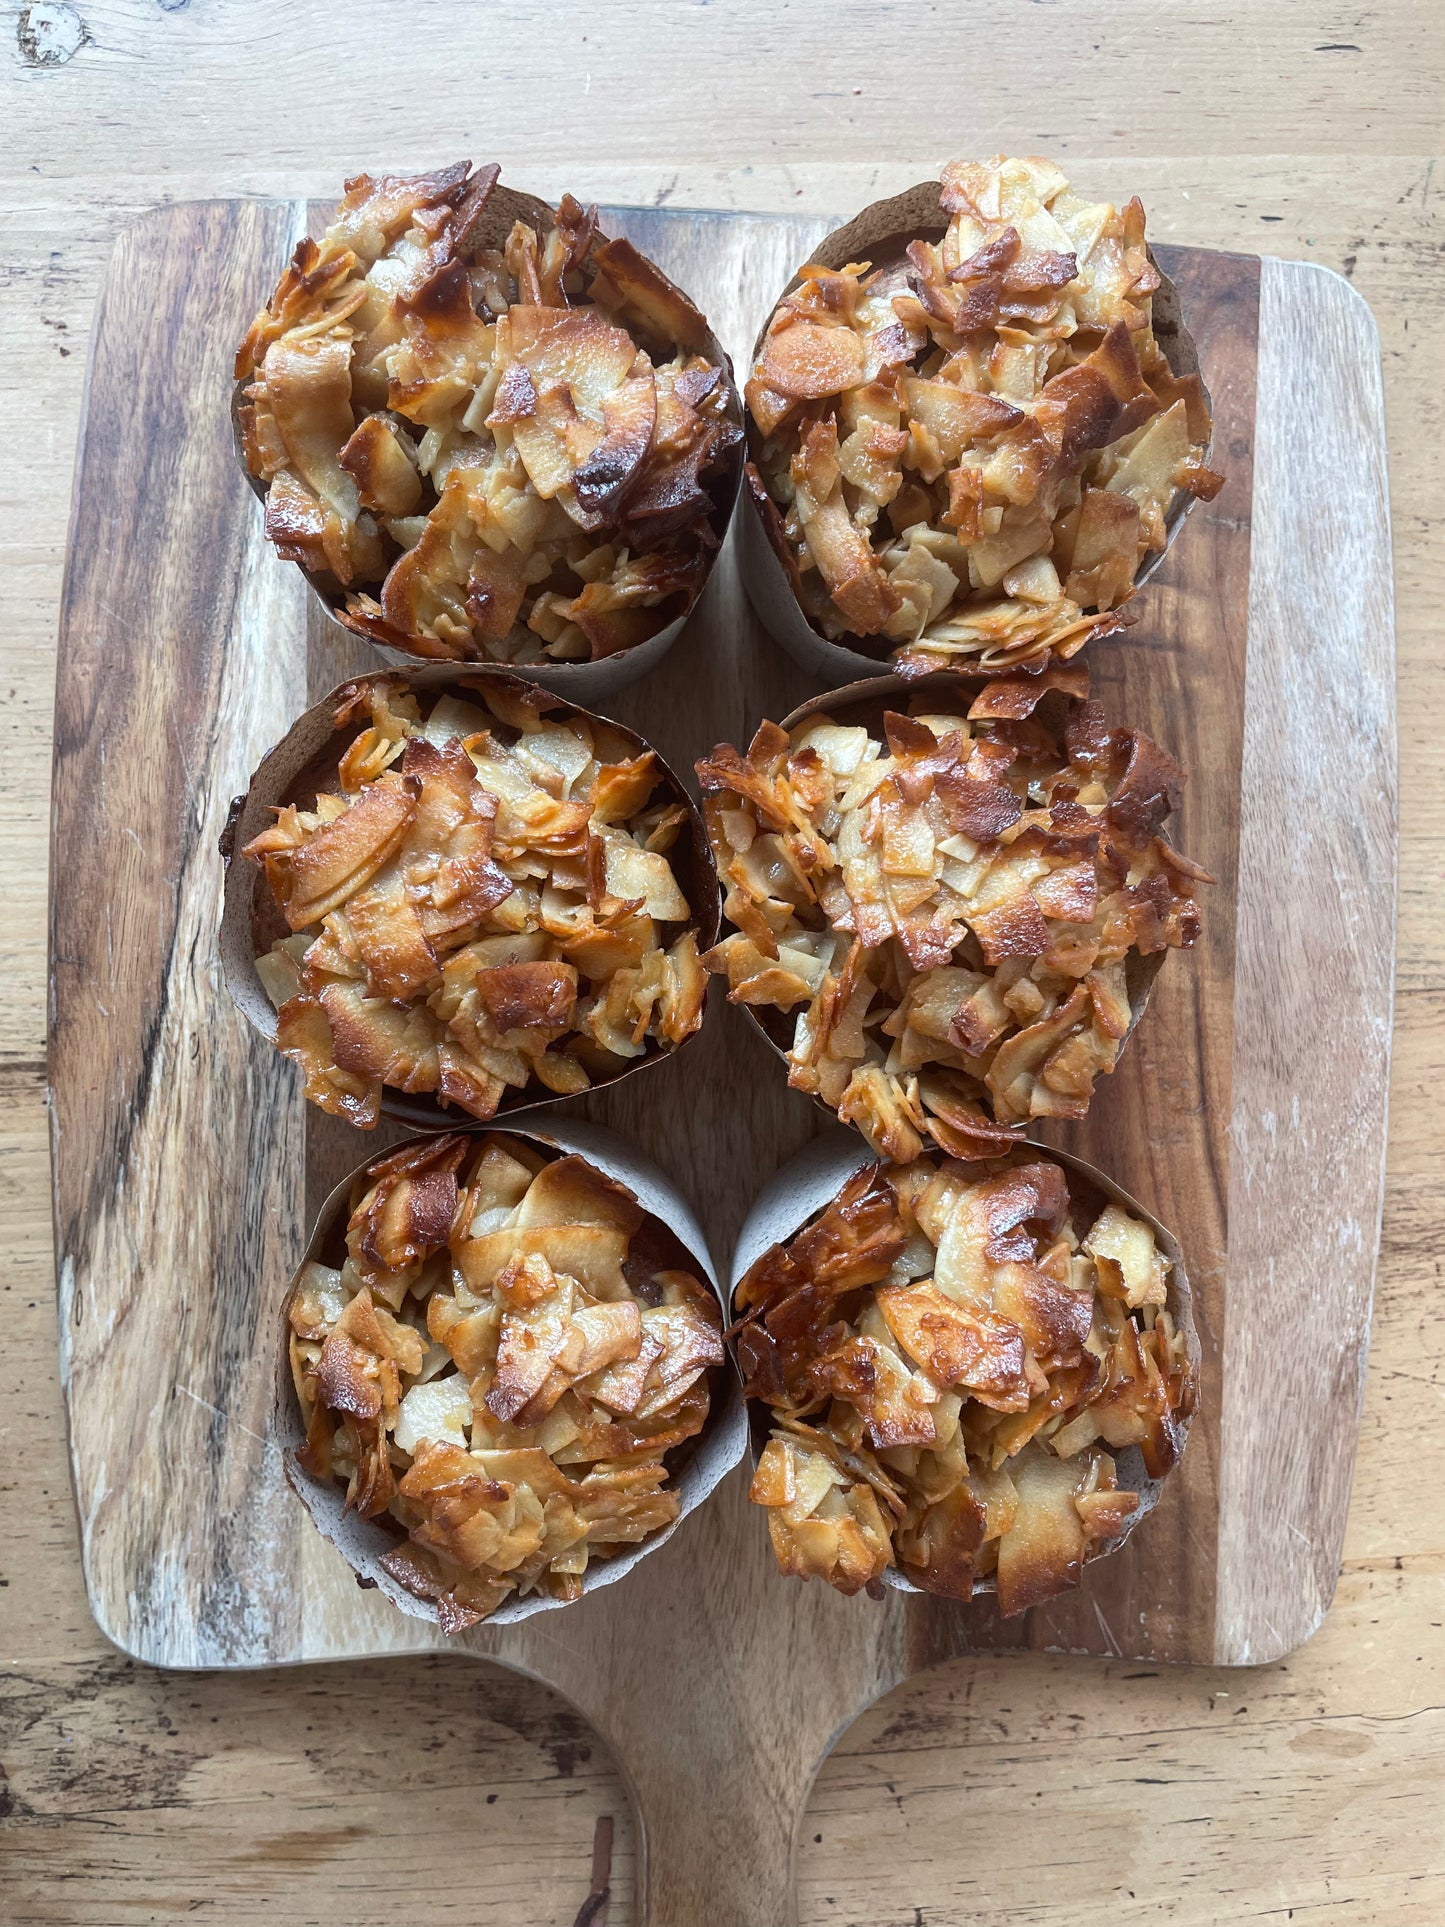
719	1688
701	1860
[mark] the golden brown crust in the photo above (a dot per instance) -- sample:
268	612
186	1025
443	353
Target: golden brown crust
951	900
511	1412
483	902
520	453
946	1351
971	447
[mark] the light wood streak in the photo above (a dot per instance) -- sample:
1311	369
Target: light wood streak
1316	940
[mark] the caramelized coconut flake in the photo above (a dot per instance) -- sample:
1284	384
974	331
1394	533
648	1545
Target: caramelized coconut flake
486	904
514	1427
946	1409
468	445
986	425
950	909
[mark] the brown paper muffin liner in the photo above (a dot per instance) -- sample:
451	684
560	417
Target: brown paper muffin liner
702	1463
881	231
304	760
582	681
807	1185
864	702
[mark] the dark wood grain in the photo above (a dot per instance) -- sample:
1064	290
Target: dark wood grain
1160	1124
170	1259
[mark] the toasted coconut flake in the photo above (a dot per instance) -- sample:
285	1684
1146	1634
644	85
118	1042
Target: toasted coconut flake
459	440
303	1033
943	1405
951	905
485	901
518	1426
645	293
1000	407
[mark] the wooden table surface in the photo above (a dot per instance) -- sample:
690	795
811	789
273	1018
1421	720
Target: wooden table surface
991	1790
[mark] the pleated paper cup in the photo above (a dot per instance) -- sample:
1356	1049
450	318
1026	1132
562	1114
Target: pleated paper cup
864	702
695	1467
582	681
305	761
880	234
805	1188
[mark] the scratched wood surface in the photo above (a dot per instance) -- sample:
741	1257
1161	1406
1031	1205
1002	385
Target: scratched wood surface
180	676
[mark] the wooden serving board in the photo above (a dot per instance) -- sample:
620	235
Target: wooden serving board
1249	1112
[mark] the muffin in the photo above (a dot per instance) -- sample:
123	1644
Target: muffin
964	898
505	1364
970	430
945	1361
485	431
470	896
